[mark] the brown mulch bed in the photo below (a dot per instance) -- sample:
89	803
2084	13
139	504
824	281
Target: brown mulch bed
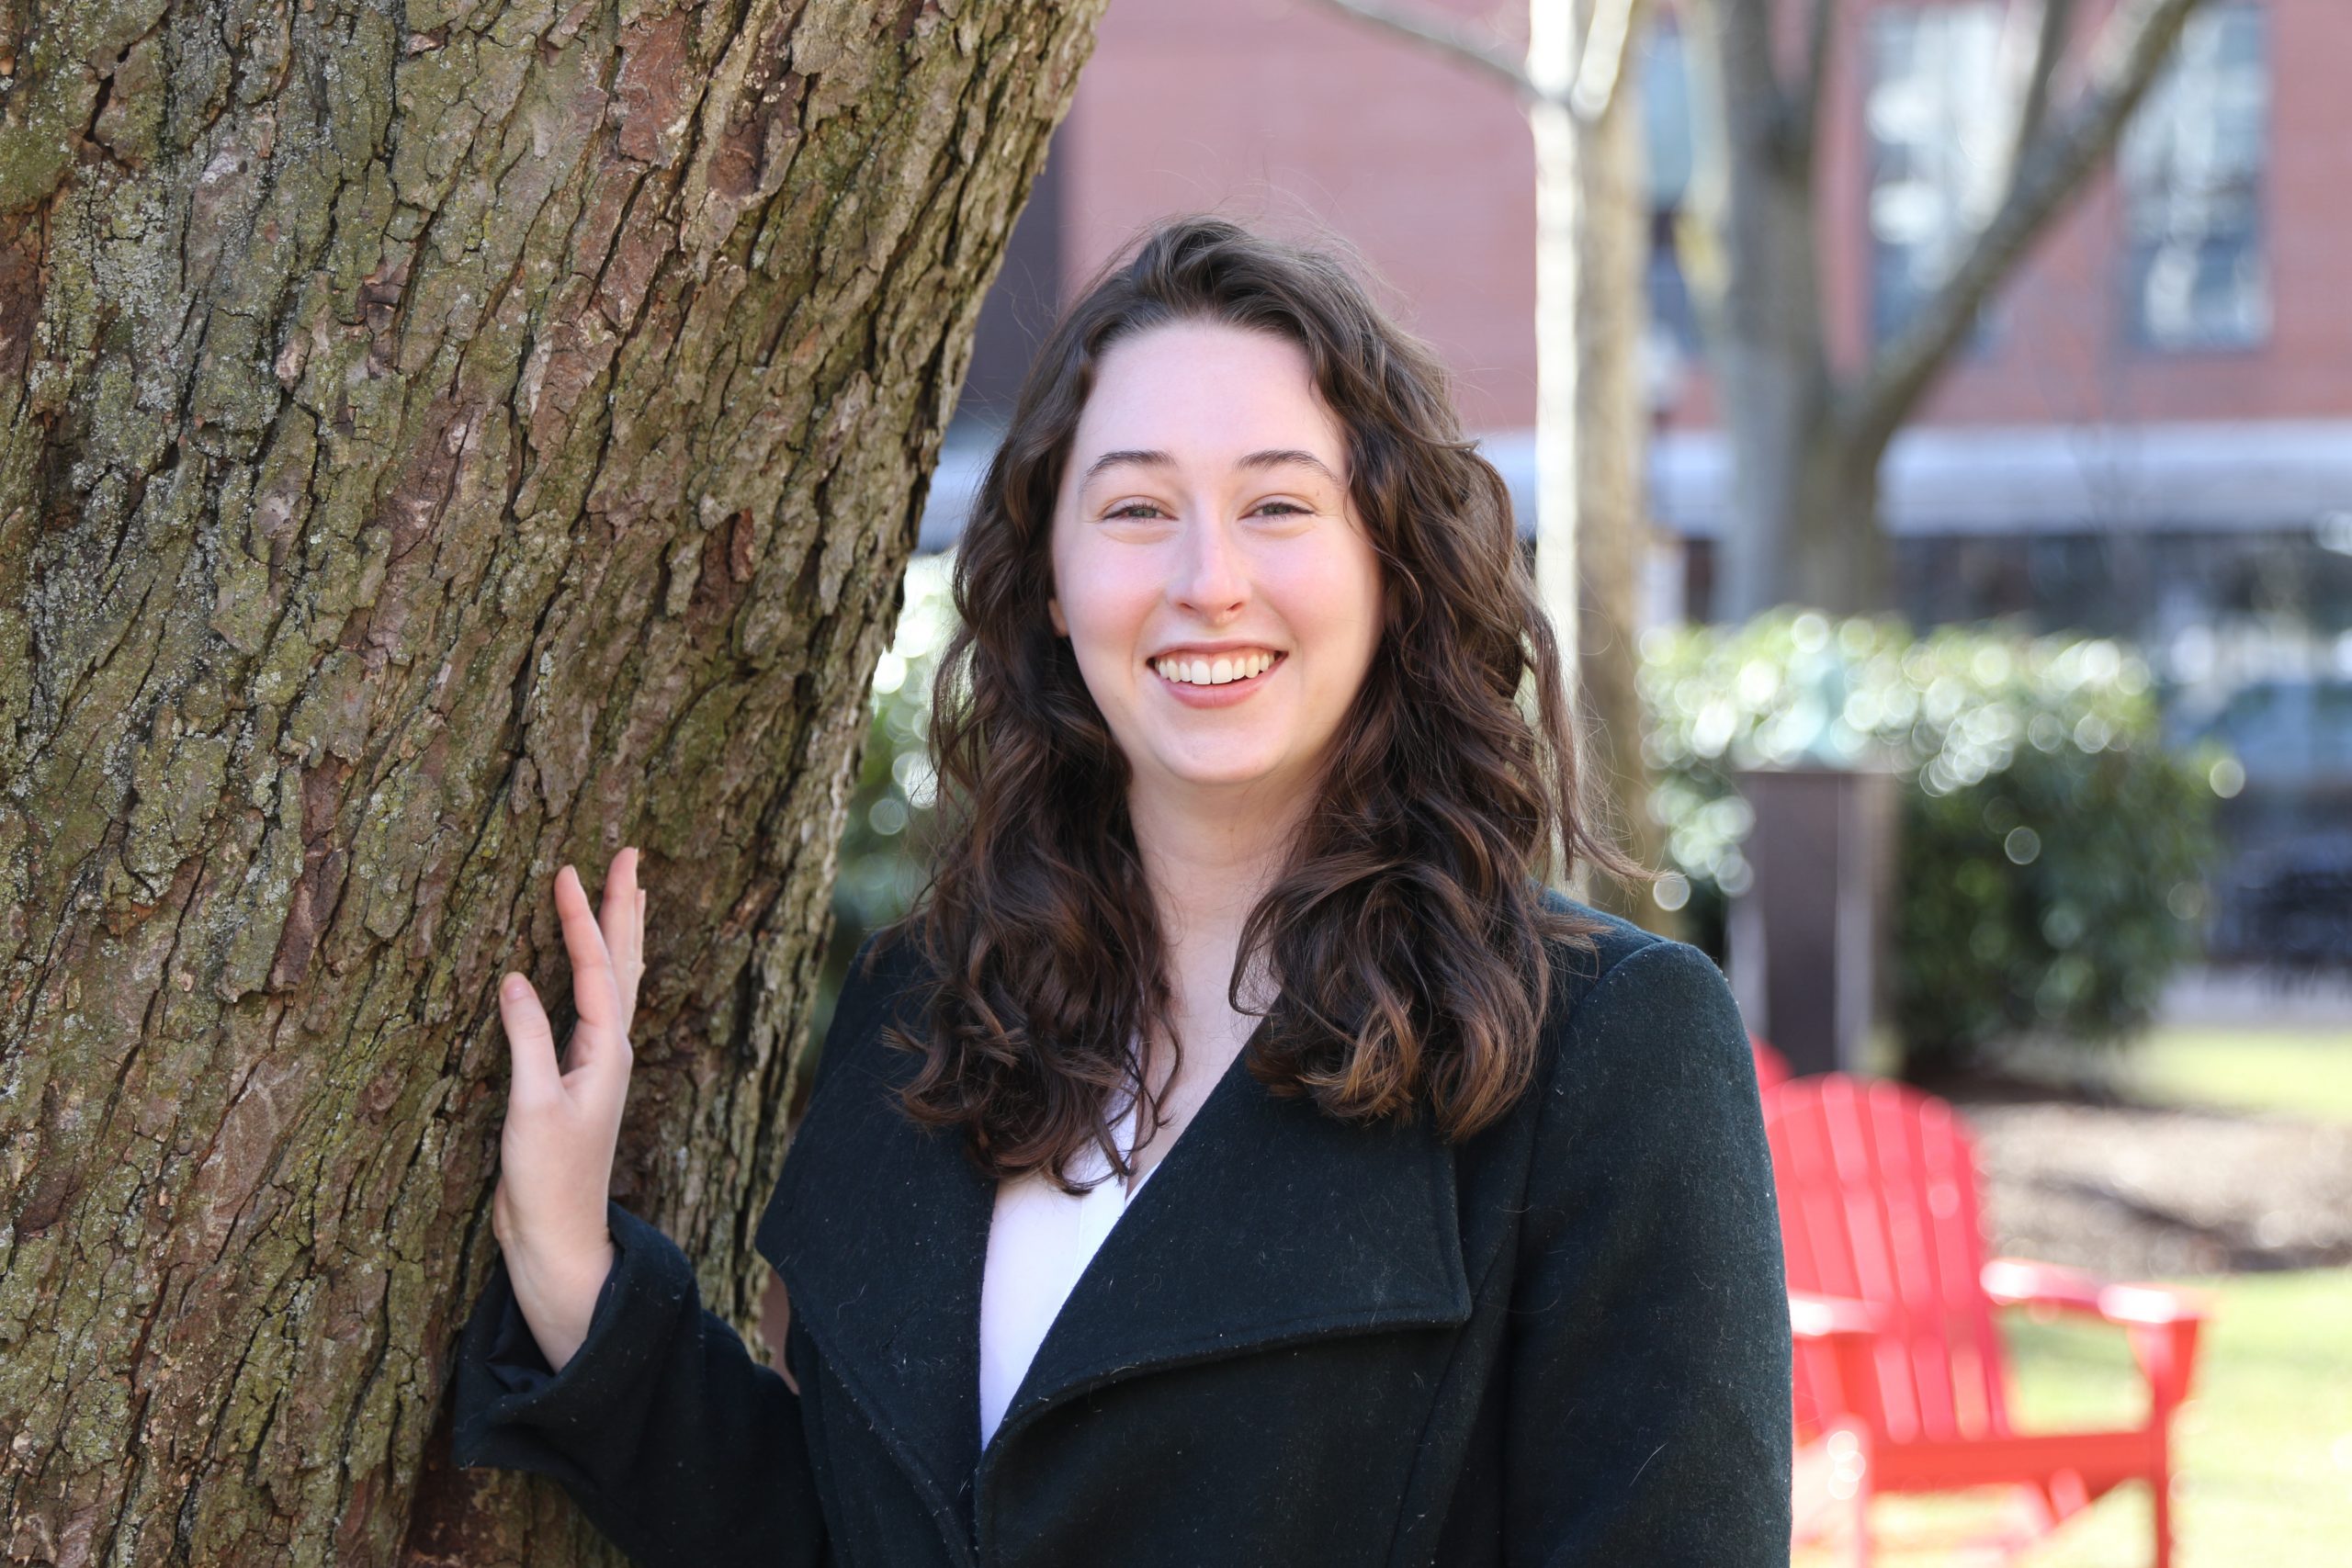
2132	1190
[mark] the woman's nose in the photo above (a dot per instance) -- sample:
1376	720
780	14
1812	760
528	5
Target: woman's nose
1212	577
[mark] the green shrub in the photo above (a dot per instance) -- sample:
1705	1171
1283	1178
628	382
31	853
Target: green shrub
881	863
2053	855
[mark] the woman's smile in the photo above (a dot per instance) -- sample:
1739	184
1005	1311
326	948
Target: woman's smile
1204	683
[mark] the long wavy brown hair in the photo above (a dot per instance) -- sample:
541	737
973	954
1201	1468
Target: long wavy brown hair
1405	930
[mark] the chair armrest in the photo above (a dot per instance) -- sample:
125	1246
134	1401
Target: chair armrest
2160	1320
1845	1390
2017	1281
1827	1317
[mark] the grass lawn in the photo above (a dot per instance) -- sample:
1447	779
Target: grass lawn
2264	1449
2304	1072
2294	1072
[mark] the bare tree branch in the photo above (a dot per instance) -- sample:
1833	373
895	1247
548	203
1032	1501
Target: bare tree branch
1804	96
1601	64
1442	37
2050	22
2131	48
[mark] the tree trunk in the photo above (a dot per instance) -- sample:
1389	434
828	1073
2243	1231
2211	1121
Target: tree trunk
438	441
1754	276
1592	430
1840	562
1801	525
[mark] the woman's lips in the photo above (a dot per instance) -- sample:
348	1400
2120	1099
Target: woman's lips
1222	696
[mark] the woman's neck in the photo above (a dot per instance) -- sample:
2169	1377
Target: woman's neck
1207	863
1209	859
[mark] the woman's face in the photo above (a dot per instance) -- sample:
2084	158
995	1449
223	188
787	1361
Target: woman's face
1204	529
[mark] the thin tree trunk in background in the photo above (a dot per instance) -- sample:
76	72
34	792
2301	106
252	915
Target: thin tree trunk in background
1592	432
439	441
1554	33
1574	83
1801	521
1753	196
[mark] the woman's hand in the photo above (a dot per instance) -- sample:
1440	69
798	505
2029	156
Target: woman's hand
563	1118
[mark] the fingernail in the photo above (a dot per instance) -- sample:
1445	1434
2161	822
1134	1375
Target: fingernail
516	988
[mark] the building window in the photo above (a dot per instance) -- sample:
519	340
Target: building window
2191	169
1936	119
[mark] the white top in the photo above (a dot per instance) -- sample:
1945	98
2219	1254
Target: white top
1040	1240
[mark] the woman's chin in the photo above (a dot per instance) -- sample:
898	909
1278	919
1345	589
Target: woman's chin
1224	773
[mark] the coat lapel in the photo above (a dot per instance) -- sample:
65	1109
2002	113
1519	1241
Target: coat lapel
1266	1223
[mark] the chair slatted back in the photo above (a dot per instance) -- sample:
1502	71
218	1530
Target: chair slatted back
1877	1199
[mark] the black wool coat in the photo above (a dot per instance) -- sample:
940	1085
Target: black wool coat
1561	1342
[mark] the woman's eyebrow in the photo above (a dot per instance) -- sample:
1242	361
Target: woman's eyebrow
1272	457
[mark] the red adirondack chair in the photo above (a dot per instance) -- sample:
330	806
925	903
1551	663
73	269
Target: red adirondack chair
1771	1067
1879	1204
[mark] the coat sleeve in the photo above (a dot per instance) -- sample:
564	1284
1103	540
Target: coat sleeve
1648	1379
674	1442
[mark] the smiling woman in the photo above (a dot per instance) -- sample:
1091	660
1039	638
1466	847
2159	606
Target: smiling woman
1228	451
1209	574
1458	1245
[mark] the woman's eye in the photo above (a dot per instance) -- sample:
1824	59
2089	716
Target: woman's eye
1133	507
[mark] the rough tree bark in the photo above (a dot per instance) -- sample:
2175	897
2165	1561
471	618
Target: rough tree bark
1807	436
439	440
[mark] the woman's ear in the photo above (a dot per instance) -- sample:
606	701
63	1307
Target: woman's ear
1054	613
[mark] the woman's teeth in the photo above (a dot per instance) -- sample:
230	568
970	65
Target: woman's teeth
1214	672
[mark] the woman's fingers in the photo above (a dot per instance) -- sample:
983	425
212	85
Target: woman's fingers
623	924
636	943
603	983
595	994
529	1041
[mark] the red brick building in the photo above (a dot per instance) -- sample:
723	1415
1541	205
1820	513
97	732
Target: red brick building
2151	435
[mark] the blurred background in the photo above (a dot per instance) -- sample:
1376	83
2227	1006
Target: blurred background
1976	597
